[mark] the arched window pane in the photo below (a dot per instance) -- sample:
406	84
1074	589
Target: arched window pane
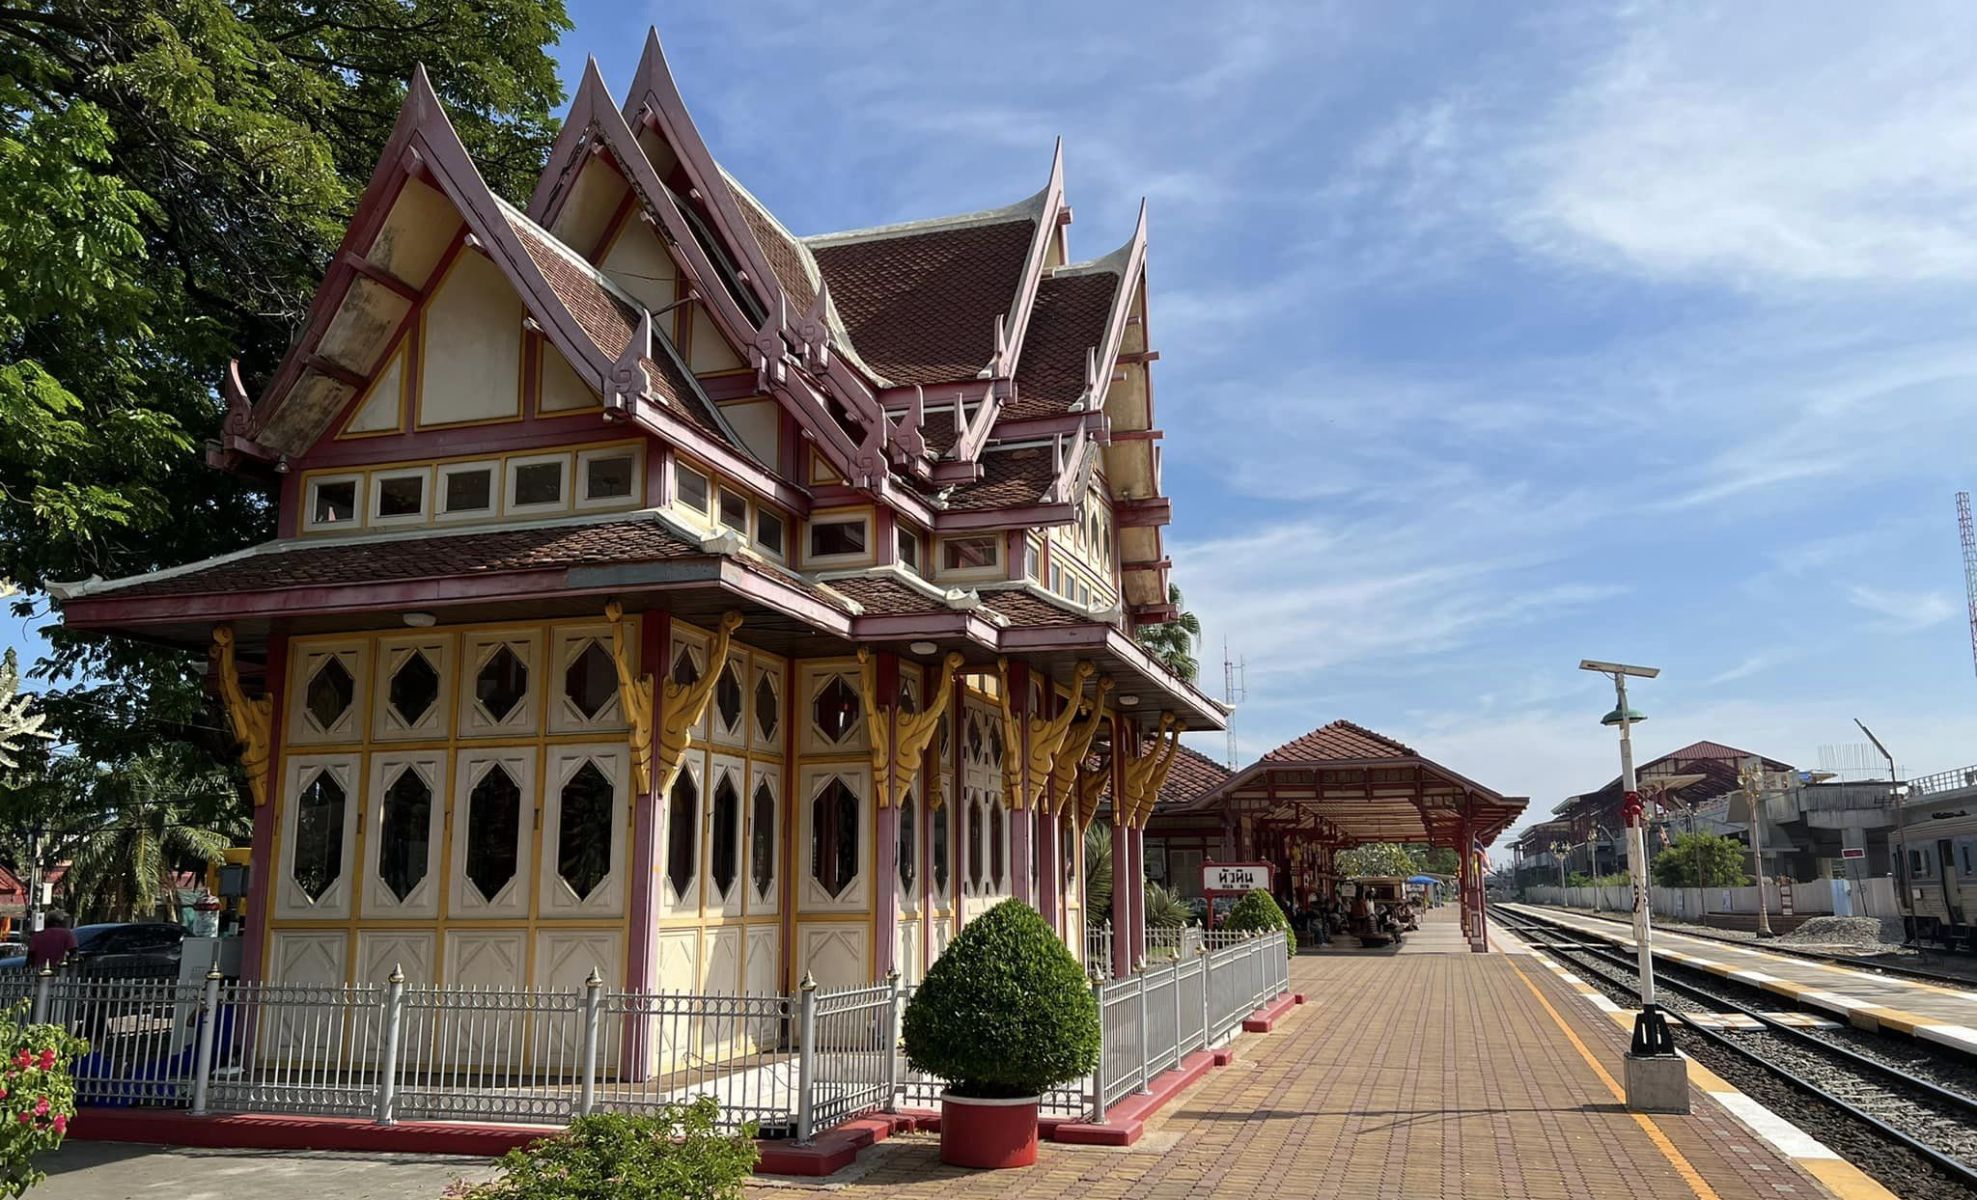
682	832
762	840
975	856
583	831
941	818
909	843
319	835
724	849
995	845
494	827
834	837
405	833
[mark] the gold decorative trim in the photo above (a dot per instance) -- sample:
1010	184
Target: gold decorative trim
1145	772
899	741
253	717
1061	794
685	705
634	697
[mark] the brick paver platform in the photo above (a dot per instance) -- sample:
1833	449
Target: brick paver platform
1416	1075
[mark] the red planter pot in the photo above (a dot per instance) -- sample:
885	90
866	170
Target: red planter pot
988	1134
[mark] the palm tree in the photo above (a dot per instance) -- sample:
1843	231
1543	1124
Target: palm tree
1172	642
154	820
1164	908
1098	872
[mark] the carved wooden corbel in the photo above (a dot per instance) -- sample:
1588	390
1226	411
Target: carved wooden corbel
1059	793
685	704
1159	780
915	732
878	730
1137	803
1091	789
1047	738
253	717
635	698
1014	794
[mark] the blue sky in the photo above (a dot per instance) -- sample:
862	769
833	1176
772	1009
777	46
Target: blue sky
1493	337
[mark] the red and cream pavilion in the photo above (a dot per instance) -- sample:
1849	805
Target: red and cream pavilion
1338	786
662	592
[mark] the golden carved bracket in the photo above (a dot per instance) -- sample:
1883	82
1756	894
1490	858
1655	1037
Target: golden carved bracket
253	717
1145	772
899	745
1059	794
681	705
1091	786
634	698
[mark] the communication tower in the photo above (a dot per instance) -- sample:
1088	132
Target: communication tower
1235	690
1969	567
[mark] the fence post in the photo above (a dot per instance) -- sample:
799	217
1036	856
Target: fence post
1146	1040
593	995
892	1042
1177	1009
1206	959
42	983
806	1059
1098	1072
202	1054
394	1012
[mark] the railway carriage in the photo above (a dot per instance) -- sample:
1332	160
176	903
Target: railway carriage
1938	872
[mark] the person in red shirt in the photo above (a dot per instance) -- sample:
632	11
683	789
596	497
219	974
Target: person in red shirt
52	944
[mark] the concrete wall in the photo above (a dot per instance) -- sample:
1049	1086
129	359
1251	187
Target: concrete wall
1870	897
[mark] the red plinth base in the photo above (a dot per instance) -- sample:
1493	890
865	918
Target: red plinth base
988	1134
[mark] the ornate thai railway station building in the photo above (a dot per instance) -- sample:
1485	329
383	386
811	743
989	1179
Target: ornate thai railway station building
662	593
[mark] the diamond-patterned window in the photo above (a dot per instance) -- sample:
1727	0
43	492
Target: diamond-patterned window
909	697
835	710
405	833
583	831
975	855
762	840
995	743
975	738
591	680
834	837
909	843
768	711
727	697
682	833
318	861
501	683
724	840
414	688
494	829
686	672
941	818
995	850
330	691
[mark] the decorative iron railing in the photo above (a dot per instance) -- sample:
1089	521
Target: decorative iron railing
789	1066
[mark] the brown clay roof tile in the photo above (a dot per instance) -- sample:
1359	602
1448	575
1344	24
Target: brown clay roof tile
1339	740
1069	319
920	305
1192	775
1010	479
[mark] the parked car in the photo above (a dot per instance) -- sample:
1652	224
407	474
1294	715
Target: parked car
123	950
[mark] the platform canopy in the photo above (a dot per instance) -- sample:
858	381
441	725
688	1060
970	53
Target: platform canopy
1345	785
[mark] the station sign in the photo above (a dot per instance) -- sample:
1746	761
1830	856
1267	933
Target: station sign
1235	877
1853	852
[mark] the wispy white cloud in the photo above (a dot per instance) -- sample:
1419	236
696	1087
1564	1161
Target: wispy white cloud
1904	611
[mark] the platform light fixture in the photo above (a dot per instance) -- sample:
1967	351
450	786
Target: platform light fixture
922	648
1657	1079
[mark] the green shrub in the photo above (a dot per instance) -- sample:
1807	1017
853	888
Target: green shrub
1005	1011
1258	912
37	1095
674	1154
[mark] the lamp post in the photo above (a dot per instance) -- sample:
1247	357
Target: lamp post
1896	792
1652	1084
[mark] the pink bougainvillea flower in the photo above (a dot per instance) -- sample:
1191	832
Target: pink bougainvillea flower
26	1117
47	1060
61	1123
41	1107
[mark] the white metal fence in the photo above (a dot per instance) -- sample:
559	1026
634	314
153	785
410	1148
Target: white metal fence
789	1065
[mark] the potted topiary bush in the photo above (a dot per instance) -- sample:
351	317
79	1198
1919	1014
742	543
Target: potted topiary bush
1004	1015
1257	912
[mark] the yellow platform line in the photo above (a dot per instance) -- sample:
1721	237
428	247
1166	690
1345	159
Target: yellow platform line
1839	1177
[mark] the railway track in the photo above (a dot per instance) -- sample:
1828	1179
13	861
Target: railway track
1905	1116
1853	962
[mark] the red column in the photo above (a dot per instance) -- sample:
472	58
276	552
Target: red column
1139	894
885	857
1019	821
261	867
1050	876
1122	905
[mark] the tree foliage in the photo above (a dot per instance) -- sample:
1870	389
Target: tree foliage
174	175
1701	860
676	1153
1164	908
1172	642
1375	858
1098	872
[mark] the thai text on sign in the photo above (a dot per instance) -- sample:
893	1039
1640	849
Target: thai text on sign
1235	877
